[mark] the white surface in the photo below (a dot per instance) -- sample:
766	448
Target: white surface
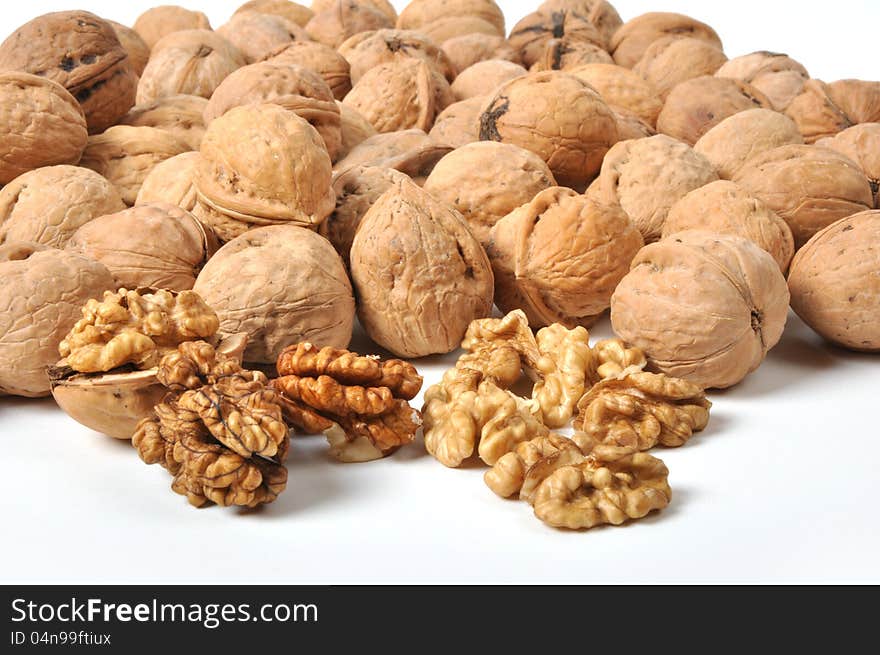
781	487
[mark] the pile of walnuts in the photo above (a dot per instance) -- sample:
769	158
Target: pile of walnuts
299	170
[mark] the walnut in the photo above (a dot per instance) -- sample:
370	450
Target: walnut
125	155
354	129
861	143
731	143
568	53
834	284
527	465
171	181
258	35
264	164
158	22
220	432
40	124
560	256
369	49
822	110
345	18
611	357
419	13
409	151
280	285
777	76
613	490
622	89
151	245
135	327
295	88
362	401
531	34
466	50
291	11
697	105
444	29
459	124
137	49
647	176
808	186
48	205
725	208
633	38
560	388
702	306
180	115
484	77
382	6
81	52
420	276
641	410
400	95
317	57
630	126
556	116
599	12
670	60
189	62
487	180
858	99
40	298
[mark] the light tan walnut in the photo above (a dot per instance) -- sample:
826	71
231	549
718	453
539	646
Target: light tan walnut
369	49
622	89
533	460
258	35
354	129
420	13
632	127
822	110
137	49
468	49
382	6
449	28
861	143
629	43
559	390
600	13
180	115
317	57
568	53
484	77
776	75
611	357
459	124
292	11
409	151
171	181
343	19
532	33
670	60
158	22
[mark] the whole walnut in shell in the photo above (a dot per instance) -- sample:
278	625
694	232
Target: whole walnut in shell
295	13
298	89
560	256
777	76
485	181
568	53
369	49
724	208
484	77
281	285
459	123
258	35
600	13
736	139
343	19
694	107
633	38
861	143
468	49
556	116
48	205
647	176
171	181
41	124
531	34
808	186
419	13
834	284
409	151
702	306
125	155
400	95
354	129
40	298
382	6
180	115
419	274
81	52
623	90
158	22
672	59
822	110
190	62
137	49
151	245
263	163
317	57
449	28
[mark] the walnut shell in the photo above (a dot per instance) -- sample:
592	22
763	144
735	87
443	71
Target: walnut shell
382	6
632	39
354	128
295	88
484	77
154	245
265	162
622	89
834	284
125	155
724	208
81	52
343	19
704	307
459	123
258	35
171	181
671	60
419	13
531	34
861	143
158	22
180	115
40	124
291	11
40	299
600	13
281	285
137	49
48	205
190	62
568	53
369	49
485	181
409	151
694	107
560	257
808	186
444	29
400	95
630	126
419	274
556	116
777	76
466	50
731	143
815	112
321	59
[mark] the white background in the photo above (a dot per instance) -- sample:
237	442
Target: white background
781	487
